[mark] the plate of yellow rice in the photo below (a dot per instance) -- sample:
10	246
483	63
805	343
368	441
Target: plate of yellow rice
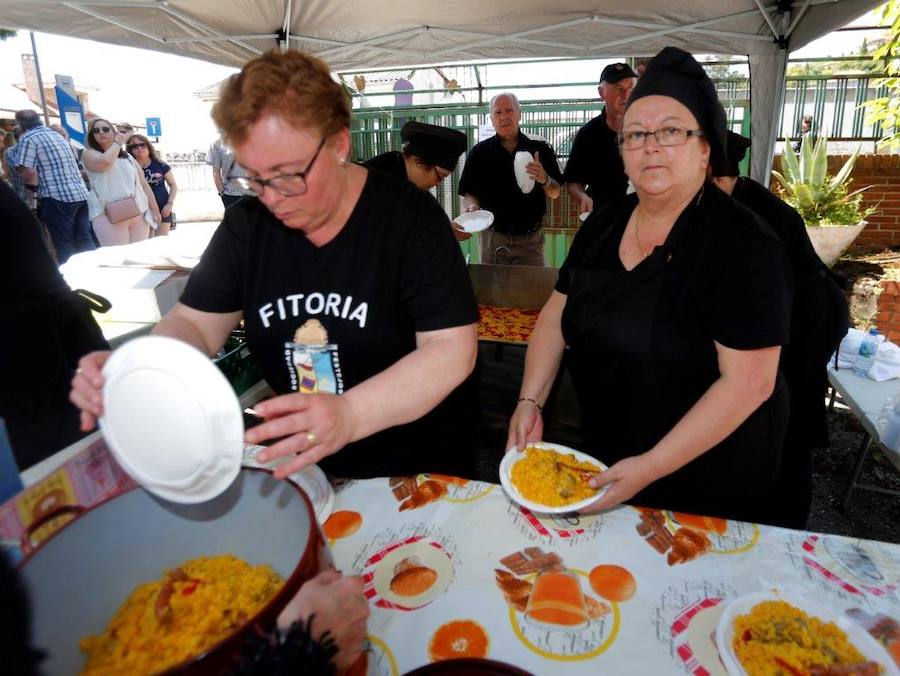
773	632
547	478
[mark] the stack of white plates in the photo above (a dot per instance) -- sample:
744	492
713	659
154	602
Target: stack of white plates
311	479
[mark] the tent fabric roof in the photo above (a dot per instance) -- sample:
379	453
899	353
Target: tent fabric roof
378	33
354	34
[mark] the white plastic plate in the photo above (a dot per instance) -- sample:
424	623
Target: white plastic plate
475	221
171	419
523	178
311	479
512	457
859	637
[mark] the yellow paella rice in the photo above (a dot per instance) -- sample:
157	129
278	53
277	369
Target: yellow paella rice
552	478
776	638
190	609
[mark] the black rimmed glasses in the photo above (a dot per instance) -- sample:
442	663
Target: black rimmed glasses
665	136
430	167
290	184
101	130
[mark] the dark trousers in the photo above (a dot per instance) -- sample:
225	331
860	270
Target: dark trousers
68	225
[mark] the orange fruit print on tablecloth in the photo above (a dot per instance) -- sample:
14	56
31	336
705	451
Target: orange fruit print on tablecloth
614	583
459	638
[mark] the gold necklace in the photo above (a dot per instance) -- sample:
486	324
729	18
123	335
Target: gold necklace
637	237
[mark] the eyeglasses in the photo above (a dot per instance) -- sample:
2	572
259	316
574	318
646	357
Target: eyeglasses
665	136
289	185
431	167
101	130
137	145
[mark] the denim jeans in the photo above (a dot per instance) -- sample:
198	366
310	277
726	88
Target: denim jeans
68	225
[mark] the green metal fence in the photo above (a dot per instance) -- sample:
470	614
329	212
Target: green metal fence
377	131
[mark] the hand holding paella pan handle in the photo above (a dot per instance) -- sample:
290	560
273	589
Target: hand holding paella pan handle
87	388
309	426
340	608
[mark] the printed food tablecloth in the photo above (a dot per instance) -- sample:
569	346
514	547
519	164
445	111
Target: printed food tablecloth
451	566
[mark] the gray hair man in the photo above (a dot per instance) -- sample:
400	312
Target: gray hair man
489	182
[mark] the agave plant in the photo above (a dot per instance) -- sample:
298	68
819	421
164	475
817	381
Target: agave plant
819	198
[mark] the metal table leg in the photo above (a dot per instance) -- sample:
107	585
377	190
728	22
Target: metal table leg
861	459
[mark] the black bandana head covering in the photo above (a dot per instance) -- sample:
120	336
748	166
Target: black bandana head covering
438	146
737	147
676	74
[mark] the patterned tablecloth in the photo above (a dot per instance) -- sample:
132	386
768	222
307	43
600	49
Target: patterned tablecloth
449	567
506	324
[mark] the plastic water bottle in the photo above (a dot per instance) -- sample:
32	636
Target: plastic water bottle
867	350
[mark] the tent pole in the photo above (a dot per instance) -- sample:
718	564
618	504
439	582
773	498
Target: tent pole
37	70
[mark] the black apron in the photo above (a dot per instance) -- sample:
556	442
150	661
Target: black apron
629	401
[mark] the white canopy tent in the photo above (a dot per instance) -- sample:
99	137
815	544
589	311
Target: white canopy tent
351	34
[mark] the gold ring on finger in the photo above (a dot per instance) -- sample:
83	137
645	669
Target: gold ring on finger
310	438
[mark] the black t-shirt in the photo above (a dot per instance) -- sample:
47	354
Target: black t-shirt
489	175
595	162
391	162
727	281
721	277
327	318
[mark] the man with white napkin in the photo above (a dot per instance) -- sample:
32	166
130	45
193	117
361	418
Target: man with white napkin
489	182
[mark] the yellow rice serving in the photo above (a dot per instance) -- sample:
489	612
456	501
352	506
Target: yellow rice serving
776	638
540	479
187	611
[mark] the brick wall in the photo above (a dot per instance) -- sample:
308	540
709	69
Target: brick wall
882	172
888	318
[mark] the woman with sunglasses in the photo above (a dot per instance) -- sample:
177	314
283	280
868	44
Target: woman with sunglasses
158	175
672	305
121	205
355	300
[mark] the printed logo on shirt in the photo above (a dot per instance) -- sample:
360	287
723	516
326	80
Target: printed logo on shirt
313	363
316	303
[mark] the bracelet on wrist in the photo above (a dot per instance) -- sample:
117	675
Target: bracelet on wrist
539	407
545	182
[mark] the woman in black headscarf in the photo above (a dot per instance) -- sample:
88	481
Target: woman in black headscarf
673	304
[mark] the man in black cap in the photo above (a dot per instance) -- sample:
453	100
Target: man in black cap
819	320
594	174
429	154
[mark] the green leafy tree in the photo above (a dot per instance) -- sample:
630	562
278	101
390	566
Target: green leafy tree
886	109
6	33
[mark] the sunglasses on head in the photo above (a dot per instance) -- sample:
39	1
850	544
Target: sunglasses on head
101	130
137	145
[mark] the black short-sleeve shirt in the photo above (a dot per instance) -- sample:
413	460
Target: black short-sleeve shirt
489	175
728	279
596	163
391	162
355	304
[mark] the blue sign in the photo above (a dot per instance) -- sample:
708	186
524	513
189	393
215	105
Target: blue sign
71	115
154	126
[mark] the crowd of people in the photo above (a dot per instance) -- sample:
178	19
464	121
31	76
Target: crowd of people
691	309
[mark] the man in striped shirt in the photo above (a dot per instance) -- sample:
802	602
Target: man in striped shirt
46	163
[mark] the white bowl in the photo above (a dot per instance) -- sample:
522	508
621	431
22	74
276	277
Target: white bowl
859	637
523	178
171	419
512	457
475	221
